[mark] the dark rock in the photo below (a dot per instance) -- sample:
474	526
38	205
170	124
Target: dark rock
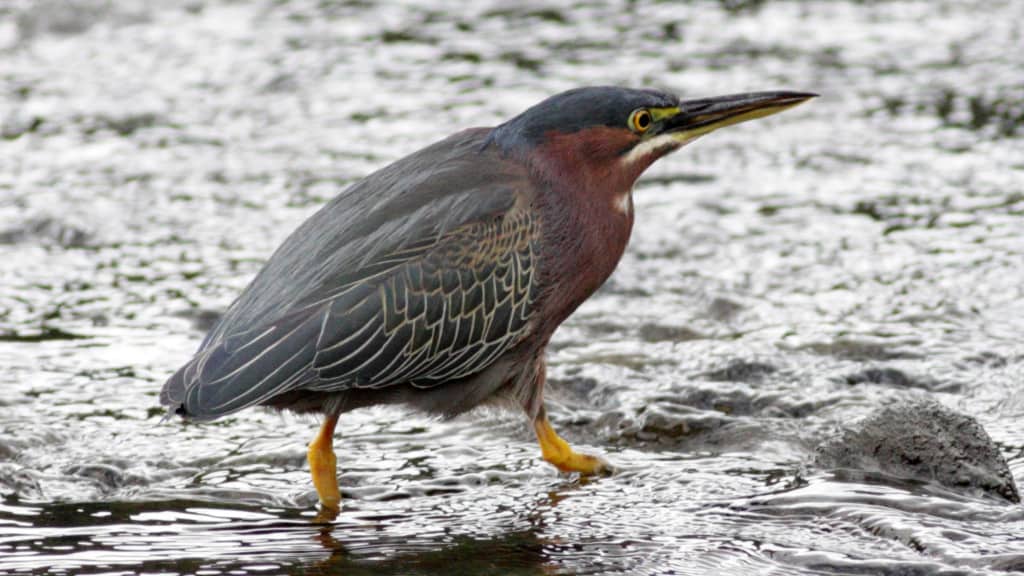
738	401
886	376
107	476
42	334
898	379
281	83
664	333
682	429
17	480
202	319
723	309
71	17
987	359
17	124
65	19
741	371
205	320
922	440
580	386
862	350
48	231
123	123
8	449
582	392
673	422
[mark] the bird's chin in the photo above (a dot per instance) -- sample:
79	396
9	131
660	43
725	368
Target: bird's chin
650	150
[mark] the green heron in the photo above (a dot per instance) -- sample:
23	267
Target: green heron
438	281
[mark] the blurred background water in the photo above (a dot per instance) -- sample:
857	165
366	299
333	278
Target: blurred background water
784	279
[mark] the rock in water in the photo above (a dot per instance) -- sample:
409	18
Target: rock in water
922	440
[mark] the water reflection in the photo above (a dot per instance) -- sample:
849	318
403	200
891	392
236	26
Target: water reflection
199	537
515	553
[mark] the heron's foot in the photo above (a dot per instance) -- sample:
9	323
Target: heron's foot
323	466
326	515
559	454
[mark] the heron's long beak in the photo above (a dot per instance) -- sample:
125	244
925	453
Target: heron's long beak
698	117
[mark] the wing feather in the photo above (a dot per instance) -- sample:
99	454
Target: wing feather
438	339
422	273
246	369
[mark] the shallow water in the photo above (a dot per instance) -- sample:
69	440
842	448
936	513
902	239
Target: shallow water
784	277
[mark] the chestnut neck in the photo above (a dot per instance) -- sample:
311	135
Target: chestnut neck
586	209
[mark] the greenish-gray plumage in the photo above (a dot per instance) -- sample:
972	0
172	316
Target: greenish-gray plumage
438	281
419	274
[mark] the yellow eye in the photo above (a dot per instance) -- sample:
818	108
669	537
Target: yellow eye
640	120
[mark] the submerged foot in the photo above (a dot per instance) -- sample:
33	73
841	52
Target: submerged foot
323	467
559	454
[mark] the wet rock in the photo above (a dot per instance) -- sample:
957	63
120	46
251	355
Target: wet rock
724	309
281	83
528	12
42	334
741	371
60	18
105	475
124	124
17	124
48	231
922	440
69	18
738	6
582	392
884	376
665	333
580	386
202	319
863	349
8	448
604	328
1010	564
741	400
895	378
706	415
682	429
987	359
17	480
674	421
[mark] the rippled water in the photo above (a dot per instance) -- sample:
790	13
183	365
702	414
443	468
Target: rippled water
785	277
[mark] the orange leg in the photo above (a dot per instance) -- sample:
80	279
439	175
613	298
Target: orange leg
323	465
558	452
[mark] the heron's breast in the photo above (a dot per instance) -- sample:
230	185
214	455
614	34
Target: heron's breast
581	245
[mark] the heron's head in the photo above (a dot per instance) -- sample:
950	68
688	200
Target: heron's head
616	133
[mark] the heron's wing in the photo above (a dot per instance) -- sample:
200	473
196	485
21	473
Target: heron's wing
438	317
243	369
389	216
417	285
444	314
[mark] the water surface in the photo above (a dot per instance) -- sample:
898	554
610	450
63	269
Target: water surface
784	277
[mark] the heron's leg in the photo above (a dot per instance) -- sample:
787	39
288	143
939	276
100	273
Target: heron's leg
323	465
558	452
